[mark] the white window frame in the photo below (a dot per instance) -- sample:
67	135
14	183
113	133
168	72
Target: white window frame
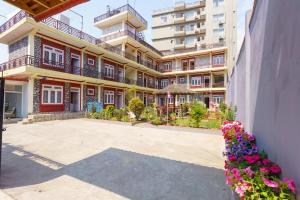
181	99
164	83
181	80
196	81
109	97
57	52
217	99
51	88
109	70
167	66
90	92
218	59
217	3
170	100
91	61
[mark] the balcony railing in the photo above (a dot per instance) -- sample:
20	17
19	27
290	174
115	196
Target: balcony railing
18	62
132	35
219	84
121	9
12	21
198	48
140	61
86	71
61	26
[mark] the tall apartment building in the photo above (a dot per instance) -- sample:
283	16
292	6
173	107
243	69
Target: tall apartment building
55	68
196	26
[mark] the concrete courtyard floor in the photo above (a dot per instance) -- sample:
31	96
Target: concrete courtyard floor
88	159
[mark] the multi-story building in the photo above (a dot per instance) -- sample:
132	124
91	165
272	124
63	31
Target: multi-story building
195	26
54	67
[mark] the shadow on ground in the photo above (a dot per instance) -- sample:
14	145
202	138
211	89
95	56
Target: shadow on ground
132	175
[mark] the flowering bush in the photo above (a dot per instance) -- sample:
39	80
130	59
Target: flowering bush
248	171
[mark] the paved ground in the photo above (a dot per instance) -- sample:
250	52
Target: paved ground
87	159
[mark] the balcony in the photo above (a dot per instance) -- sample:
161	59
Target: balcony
125	12
218	85
180	32
179	5
61	26
200	30
179	46
179	19
203	17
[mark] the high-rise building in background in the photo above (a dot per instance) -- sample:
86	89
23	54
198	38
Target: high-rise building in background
195	26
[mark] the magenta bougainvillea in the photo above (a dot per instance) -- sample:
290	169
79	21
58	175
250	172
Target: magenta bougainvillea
248	171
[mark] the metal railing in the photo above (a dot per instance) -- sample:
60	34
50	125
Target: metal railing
86	71
198	48
219	84
12	21
132	35
18	62
121	9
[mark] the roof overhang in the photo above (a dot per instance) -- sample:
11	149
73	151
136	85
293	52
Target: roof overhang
41	9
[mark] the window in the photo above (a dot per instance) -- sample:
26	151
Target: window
53	56
218	60
164	83
163	19
218	32
181	99
218	17
52	94
171	100
109	70
109	97
218	3
181	80
218	99
196	81
167	66
90	92
91	61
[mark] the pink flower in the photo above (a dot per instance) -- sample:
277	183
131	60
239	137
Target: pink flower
291	184
249	172
241	189
275	169
252	159
231	158
270	183
264	170
266	161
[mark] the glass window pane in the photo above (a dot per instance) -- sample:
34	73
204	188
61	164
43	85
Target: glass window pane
58	97
45	96
52	97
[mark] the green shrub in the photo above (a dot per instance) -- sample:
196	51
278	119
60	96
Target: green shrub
223	107
184	109
95	115
119	113
157	121
230	114
198	111
173	116
109	111
137	107
182	122
149	113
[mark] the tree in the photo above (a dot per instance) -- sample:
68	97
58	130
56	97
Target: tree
129	94
198	111
137	107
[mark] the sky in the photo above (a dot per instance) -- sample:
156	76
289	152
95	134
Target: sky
94	8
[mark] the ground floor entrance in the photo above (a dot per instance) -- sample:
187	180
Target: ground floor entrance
75	99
